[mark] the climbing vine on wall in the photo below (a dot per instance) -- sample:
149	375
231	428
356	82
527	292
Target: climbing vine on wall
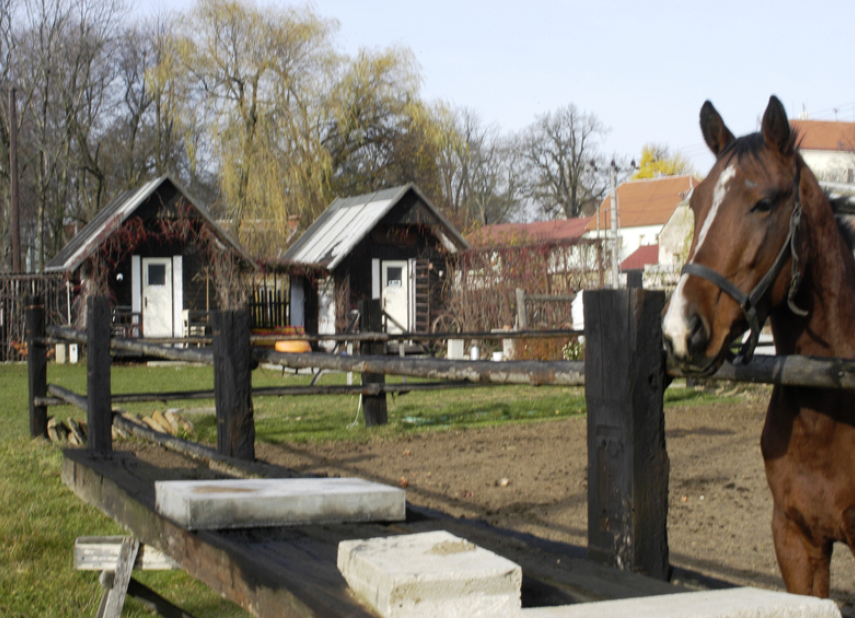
181	228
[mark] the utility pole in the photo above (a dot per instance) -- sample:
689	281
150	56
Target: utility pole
613	199
15	204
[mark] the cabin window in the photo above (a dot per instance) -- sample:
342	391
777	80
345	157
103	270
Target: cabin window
394	277
157	274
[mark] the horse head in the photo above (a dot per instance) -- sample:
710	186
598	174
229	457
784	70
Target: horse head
743	259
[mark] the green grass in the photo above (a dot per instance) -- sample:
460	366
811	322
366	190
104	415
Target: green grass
40	518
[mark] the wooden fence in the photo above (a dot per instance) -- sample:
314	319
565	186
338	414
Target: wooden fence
624	375
13	290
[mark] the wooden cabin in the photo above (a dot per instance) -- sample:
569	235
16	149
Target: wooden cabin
390	245
158	254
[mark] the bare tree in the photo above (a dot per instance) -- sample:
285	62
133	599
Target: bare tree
481	171
562	152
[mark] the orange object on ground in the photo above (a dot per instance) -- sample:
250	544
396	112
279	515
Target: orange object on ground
293	345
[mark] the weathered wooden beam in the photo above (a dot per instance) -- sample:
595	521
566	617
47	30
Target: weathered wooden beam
69	397
534	373
233	384
36	364
100	553
296	581
371	320
189	355
99	413
791	370
627	462
359	337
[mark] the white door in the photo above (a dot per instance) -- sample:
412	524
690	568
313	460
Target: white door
157	297
394	293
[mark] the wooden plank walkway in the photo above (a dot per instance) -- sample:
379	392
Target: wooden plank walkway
291	571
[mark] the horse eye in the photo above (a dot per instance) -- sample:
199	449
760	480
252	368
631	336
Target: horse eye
762	206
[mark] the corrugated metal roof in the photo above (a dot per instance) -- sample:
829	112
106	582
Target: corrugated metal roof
111	217
348	220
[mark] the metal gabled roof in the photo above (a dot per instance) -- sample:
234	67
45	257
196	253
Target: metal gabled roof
110	218
346	221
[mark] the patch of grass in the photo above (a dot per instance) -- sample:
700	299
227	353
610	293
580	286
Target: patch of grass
40	520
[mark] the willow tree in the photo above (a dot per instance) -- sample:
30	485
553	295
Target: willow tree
262	75
657	160
379	131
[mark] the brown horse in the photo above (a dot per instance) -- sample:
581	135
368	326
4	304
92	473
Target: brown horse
767	244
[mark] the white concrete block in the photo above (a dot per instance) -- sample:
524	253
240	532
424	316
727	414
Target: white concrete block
429	575
243	503
61	353
732	603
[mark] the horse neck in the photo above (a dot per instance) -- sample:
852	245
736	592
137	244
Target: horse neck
827	290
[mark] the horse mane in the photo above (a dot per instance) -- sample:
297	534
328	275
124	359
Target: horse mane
843	216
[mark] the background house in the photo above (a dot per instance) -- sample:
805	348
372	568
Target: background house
390	245
157	253
828	148
643	208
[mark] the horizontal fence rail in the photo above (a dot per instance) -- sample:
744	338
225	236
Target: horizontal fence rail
784	370
536	373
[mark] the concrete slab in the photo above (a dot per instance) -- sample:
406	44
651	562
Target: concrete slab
732	603
243	503
430	574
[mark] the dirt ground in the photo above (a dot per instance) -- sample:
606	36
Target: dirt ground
532	478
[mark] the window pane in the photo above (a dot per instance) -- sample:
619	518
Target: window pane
157	274
394	276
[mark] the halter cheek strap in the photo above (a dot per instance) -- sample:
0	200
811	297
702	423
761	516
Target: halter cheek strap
748	302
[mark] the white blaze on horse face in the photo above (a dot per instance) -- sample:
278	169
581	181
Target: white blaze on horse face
675	324
719	193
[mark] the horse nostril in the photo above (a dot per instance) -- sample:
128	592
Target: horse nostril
698	336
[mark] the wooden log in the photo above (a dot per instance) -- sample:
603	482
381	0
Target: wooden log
791	370
36	364
627	462
99	412
74	430
123	569
371	320
360	337
69	397
533	373
190	355
233	384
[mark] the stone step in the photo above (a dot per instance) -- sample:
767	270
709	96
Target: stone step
430	574
730	603
242	503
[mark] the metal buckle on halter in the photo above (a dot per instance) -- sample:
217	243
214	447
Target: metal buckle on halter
748	302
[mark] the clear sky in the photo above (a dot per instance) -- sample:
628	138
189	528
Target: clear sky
644	68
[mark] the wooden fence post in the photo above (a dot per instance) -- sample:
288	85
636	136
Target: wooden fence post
233	384
36	363
628	465
99	415
371	321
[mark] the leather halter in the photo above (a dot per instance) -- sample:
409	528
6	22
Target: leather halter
748	302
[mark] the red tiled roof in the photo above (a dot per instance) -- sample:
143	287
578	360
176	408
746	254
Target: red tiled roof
825	134
644	202
645	254
503	234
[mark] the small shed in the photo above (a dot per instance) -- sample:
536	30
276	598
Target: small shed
390	245
158	254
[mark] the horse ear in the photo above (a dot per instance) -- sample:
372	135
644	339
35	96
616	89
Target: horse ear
716	135
776	127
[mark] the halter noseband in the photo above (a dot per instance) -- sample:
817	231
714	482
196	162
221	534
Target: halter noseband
748	302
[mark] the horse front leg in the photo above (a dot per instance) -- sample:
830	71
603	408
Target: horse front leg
804	565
